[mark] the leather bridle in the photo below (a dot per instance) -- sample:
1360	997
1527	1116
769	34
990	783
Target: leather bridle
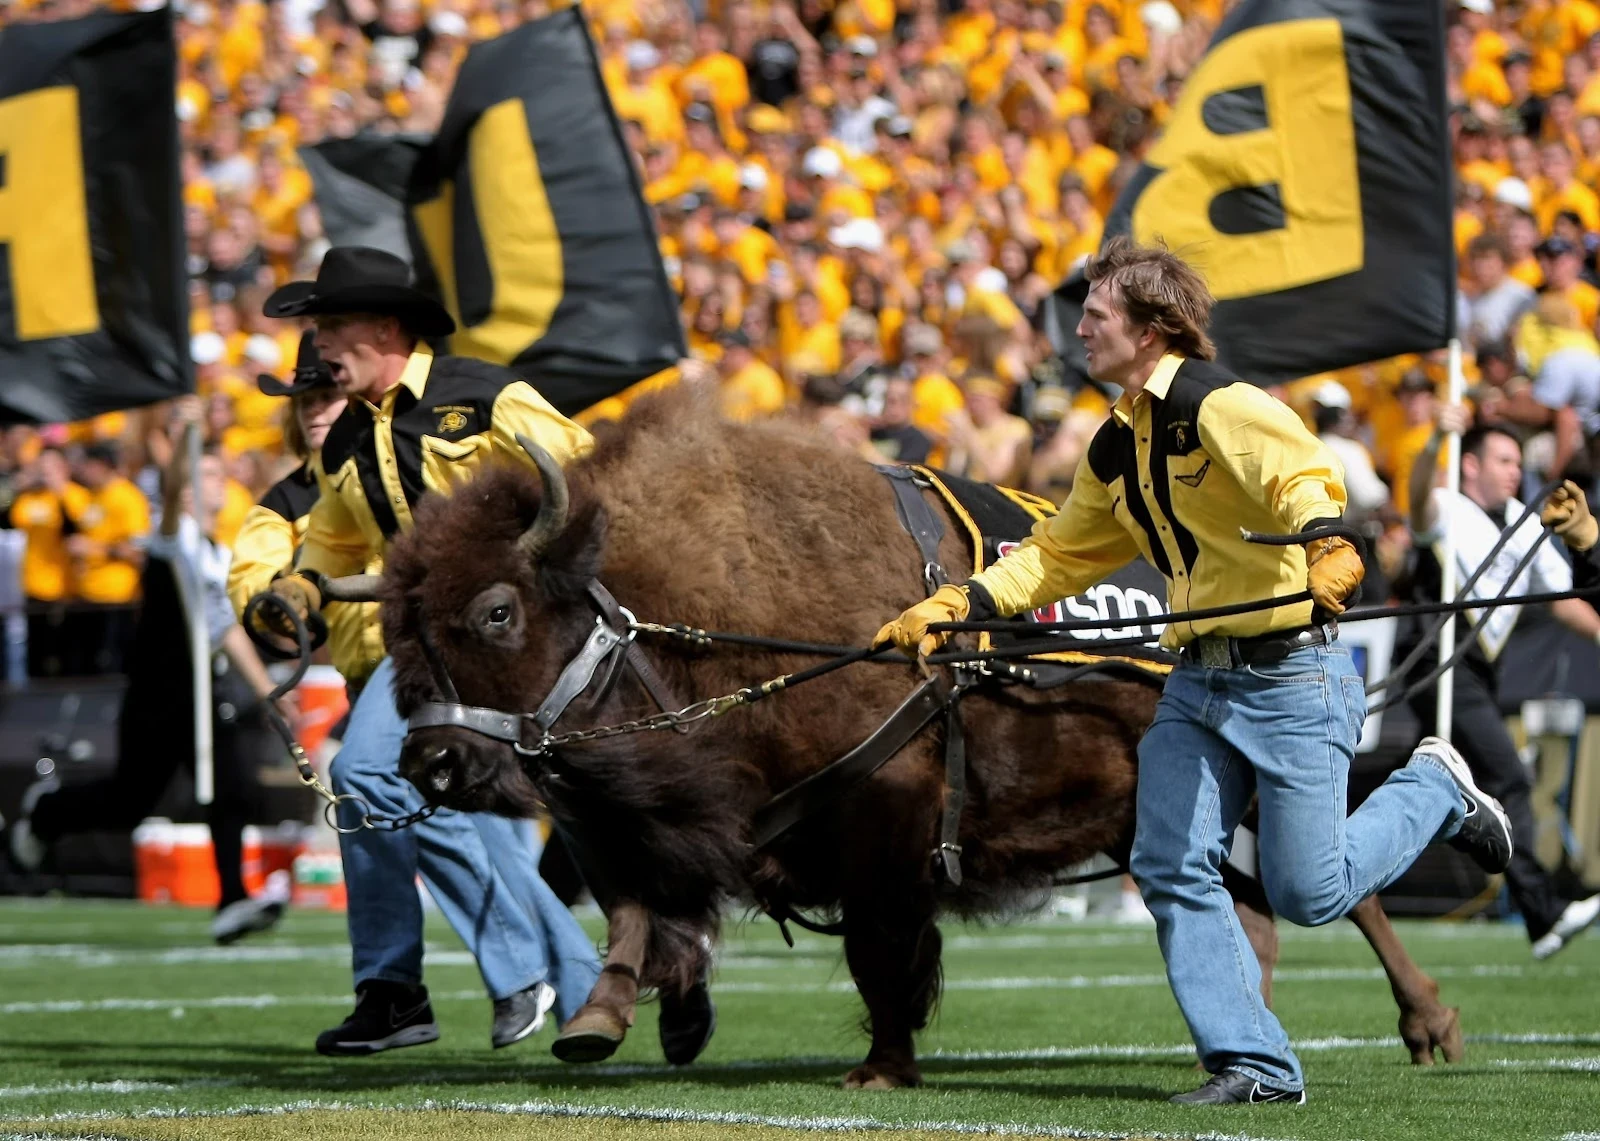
609	647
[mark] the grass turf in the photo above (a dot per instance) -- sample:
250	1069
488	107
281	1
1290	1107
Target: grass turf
120	1020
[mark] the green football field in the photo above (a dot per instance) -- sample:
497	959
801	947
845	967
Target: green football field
118	1020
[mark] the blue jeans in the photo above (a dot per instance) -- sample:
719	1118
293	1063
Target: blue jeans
482	870
1286	731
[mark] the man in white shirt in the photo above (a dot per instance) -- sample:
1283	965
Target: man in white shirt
1491	472
1335	428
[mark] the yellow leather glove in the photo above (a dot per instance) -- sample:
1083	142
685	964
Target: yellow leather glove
300	593
1567	513
1333	571
910	630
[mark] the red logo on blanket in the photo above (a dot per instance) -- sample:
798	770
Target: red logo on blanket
1117	597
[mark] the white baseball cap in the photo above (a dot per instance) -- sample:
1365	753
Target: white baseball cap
263	350
858	234
753	176
1482	7
1331	394
448	23
1161	17
642	55
206	347
990	280
822	162
1514	192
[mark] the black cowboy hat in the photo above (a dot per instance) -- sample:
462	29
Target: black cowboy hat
358	279
309	372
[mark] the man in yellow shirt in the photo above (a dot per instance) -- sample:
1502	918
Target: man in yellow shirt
40	513
750	390
1189	456
108	522
415	424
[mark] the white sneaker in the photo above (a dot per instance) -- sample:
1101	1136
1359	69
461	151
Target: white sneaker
249	916
1579	914
27	850
1485	834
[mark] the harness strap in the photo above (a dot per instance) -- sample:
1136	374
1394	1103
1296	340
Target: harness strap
494	723
642	667
948	854
922	522
603	639
822	788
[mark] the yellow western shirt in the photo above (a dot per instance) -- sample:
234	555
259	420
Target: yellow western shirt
443	420
1172	475
266	544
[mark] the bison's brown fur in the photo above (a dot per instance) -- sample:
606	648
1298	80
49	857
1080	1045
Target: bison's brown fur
760	529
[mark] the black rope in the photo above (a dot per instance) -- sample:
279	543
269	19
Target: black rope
303	638
1432	635
1461	651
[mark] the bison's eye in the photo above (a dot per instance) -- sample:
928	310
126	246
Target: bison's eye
500	615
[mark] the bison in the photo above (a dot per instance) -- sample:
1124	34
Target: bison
767	530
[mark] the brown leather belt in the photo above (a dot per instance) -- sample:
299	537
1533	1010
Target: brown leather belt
1218	652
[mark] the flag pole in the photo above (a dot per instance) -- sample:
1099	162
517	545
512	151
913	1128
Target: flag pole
200	641
1447	547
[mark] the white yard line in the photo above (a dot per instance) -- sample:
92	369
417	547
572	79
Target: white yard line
543	1108
1048	982
85	1087
1149	979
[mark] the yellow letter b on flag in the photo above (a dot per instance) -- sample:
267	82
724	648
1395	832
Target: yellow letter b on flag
44	220
1299	159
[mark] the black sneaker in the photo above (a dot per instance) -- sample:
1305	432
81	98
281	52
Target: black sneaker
387	1016
687	1023
1230	1087
1485	834
521	1014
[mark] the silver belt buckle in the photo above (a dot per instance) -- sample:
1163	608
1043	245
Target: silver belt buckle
1214	652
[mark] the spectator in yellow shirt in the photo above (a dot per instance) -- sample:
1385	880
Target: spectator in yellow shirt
1562	263
646	98
750	390
1562	191
40	512
108	522
715	76
997	446
1419	404
936	400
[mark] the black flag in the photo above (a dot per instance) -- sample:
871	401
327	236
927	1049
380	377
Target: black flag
361	185
93	313
1305	170
525	218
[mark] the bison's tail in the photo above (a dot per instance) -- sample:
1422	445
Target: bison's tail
679	952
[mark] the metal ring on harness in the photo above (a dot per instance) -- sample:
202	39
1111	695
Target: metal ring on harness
330	813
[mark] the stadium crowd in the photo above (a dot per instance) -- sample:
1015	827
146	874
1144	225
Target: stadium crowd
863	204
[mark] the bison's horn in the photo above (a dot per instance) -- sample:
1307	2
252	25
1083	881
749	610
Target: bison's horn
352	588
552	515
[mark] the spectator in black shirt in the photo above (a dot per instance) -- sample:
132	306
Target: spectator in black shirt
895	437
400	37
773	62
1525	105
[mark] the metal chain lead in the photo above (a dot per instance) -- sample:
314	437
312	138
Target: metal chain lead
330	809
688	715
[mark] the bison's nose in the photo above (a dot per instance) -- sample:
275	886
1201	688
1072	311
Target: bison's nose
440	763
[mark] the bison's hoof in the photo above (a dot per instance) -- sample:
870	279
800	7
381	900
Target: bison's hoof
877	1076
593	1035
1438	1029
